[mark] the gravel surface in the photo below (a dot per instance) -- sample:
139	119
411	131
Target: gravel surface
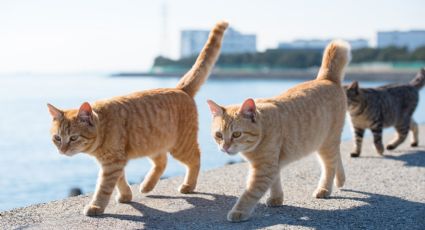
380	193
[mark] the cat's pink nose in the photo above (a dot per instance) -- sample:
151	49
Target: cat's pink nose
226	147
63	149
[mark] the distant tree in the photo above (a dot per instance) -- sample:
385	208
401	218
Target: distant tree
364	55
162	61
184	62
418	54
393	54
299	58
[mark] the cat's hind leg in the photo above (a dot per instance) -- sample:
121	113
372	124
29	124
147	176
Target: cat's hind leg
189	154
415	132
402	131
329	157
159	162
124	190
339	174
358	133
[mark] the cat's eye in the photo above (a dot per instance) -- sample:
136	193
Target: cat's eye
236	134
219	135
57	138
73	138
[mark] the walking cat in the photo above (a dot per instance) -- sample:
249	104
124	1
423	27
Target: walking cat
148	123
273	132
385	106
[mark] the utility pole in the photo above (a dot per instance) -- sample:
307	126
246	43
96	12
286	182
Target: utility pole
164	35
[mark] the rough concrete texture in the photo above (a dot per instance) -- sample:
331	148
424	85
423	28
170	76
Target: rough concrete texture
380	193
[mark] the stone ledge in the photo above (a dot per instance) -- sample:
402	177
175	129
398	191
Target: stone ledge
380	193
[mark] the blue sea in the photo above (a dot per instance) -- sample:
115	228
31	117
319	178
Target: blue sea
31	170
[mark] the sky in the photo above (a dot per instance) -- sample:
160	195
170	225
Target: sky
83	36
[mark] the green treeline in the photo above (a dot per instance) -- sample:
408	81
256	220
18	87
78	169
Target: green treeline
298	58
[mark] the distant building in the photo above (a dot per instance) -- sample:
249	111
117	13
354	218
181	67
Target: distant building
358	43
410	39
320	44
192	42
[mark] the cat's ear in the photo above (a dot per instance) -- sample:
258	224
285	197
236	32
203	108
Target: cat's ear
56	113
354	86
215	109
248	109
85	113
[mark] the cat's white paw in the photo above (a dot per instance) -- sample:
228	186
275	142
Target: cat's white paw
274	201
321	193
93	210
237	216
145	188
185	189
124	198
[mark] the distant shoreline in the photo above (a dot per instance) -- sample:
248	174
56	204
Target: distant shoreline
306	74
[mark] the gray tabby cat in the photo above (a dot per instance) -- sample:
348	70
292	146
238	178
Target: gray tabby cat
381	107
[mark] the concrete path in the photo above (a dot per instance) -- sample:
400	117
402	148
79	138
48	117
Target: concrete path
380	193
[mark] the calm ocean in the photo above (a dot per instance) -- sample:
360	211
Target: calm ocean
31	170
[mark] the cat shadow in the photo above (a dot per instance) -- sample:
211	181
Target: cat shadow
372	211
368	157
191	218
415	158
376	211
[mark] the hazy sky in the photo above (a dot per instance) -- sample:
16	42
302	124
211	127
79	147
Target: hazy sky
125	35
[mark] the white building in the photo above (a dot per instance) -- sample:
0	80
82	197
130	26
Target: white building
410	39
320	44
192	42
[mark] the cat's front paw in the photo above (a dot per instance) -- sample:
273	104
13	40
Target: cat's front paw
124	198
146	187
380	149
274	201
321	193
237	216
391	147
354	154
185	188
93	210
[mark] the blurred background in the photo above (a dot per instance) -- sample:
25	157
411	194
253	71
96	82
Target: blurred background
67	52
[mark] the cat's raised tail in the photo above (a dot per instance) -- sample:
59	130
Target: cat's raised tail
335	57
196	76
419	81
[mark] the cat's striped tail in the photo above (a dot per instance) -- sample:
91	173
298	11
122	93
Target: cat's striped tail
335	57
419	81
196	76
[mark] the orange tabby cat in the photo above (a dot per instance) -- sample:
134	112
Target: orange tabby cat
149	123
271	133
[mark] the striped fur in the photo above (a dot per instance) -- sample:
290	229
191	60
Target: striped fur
192	81
149	123
385	106
270	133
335	58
